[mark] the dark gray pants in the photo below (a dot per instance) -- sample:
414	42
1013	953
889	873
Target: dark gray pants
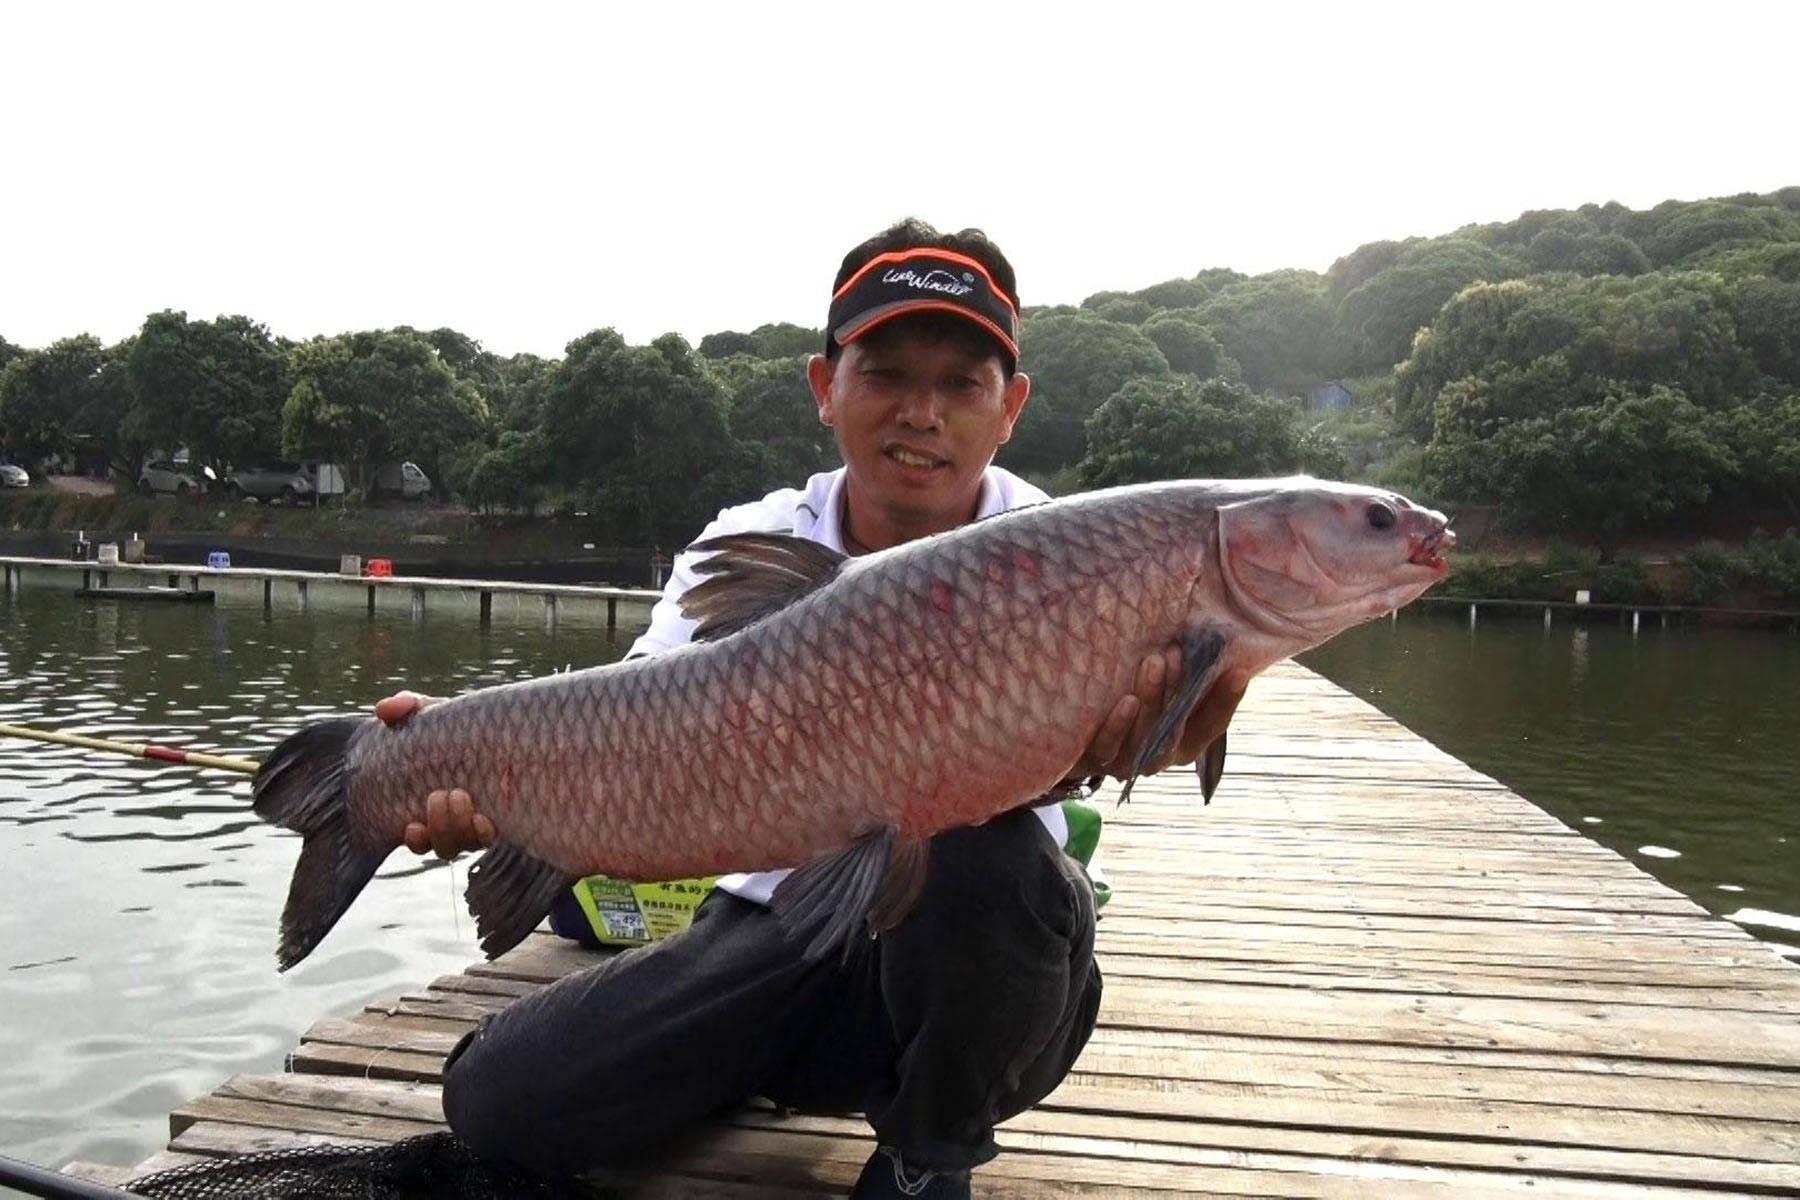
969	1012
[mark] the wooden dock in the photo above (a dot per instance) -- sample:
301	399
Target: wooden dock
1366	969
96	581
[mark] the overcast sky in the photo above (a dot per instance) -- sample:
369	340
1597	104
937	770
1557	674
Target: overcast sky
525	173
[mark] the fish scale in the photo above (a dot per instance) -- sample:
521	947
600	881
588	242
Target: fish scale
854	707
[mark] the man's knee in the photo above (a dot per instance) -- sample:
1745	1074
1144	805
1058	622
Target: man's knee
1008	871
477	1102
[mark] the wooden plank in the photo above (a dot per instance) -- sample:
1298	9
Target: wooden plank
1050	1165
232	1110
369	1097
101	1173
1143	1140
216	1139
326	1058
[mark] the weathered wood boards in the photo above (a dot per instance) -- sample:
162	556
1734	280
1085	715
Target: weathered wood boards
1365	970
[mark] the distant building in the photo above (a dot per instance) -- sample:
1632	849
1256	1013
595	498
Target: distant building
1333	395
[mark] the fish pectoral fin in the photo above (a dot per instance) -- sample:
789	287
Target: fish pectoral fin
1211	768
869	885
510	890
753	575
1200	651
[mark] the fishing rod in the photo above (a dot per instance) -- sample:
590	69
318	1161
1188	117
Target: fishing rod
187	758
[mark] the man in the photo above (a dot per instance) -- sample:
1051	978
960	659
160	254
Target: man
975	1006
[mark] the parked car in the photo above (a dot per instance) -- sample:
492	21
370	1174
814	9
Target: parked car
289	483
163	476
403	479
14	476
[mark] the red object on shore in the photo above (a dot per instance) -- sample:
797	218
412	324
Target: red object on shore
379	568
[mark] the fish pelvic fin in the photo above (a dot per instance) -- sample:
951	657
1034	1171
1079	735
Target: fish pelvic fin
1200	651
836	901
510	891
303	785
751	576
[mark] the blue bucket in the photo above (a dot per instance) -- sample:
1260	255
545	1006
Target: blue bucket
218	560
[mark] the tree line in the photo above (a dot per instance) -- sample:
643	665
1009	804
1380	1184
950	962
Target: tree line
1596	370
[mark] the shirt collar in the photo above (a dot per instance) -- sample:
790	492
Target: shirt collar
828	523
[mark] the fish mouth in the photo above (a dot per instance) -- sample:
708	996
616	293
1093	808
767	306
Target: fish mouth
1429	550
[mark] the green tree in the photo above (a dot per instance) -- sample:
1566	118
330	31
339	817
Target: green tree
1681	231
1763	434
1185	429
773	412
1379	317
511	475
642	430
1175	293
781	339
1189	345
1075	363
366	398
51	399
1279	329
1127	310
216	387
1567	340
1598	470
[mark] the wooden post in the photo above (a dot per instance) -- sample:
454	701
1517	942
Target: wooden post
550	611
418	603
8	588
302	584
268	592
1471	616
1546	616
174	579
87	579
487	609
371	599
612	613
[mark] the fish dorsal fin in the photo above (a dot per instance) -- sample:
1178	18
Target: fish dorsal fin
753	575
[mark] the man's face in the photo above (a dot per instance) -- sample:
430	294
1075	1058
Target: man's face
918	416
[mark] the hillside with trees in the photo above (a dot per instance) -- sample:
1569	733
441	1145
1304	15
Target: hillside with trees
1594	374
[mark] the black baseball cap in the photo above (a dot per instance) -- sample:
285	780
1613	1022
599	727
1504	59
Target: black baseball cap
922	279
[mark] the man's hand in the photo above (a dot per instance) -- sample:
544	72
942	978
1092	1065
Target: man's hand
1115	747
451	823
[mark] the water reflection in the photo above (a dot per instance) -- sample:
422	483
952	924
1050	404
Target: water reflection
138	911
1674	747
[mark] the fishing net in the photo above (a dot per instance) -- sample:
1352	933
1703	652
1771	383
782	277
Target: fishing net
435	1166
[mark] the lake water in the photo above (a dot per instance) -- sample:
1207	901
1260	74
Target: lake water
1679	747
138	902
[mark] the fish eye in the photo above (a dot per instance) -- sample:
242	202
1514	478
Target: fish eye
1381	516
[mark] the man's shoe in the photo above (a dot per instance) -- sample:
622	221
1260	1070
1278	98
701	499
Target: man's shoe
886	1177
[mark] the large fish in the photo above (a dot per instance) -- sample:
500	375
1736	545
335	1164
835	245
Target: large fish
834	714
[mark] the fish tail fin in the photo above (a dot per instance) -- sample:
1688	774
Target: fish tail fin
303	785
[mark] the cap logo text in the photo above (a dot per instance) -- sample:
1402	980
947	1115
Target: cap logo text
931	281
